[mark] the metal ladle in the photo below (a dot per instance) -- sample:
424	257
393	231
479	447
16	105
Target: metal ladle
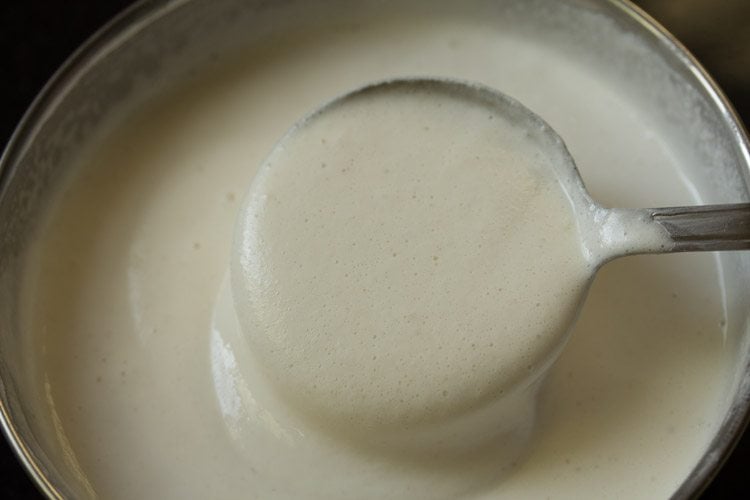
659	230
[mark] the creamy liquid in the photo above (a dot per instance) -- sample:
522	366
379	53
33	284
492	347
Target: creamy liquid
153	396
408	259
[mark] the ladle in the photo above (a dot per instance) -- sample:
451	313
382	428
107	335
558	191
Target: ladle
334	370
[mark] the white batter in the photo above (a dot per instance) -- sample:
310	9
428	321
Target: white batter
156	397
406	261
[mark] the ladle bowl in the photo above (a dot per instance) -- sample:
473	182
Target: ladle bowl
373	403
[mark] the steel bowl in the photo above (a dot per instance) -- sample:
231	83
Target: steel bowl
153	43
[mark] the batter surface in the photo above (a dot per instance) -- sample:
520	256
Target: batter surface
154	399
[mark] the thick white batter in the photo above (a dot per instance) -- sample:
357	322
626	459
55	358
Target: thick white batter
406	261
156	399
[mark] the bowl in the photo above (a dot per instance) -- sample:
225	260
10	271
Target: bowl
150	46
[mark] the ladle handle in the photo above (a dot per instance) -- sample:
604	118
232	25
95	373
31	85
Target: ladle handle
706	227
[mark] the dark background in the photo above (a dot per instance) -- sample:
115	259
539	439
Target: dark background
36	36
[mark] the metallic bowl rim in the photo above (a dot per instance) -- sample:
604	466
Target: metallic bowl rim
143	12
